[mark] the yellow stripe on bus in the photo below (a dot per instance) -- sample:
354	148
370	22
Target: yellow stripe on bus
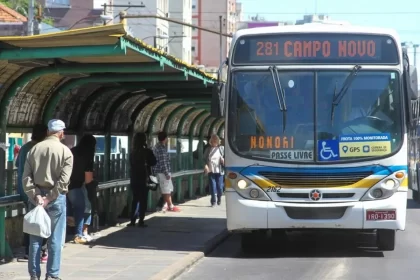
228	184
404	184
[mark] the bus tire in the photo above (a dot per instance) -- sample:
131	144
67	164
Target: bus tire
416	196
386	239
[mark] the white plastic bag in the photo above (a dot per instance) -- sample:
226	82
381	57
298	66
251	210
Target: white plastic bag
37	222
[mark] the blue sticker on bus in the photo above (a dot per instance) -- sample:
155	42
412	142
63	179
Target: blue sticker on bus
328	150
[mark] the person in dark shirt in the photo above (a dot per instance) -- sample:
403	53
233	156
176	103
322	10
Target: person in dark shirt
141	160
81	179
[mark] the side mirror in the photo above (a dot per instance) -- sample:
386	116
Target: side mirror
412	83
216	110
218	94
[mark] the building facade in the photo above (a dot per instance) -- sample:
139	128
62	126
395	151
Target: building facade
206	45
180	36
73	14
152	31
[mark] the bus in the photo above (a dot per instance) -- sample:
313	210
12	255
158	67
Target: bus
319	125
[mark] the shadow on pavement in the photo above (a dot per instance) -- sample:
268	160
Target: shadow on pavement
412	204
164	233
308	245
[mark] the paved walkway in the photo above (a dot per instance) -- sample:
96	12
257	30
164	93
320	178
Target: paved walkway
137	253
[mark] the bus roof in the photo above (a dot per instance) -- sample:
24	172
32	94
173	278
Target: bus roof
317	28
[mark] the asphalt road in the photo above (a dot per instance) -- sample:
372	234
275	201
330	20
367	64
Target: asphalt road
318	257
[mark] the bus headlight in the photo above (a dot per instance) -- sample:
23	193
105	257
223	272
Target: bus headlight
242	184
247	189
384	188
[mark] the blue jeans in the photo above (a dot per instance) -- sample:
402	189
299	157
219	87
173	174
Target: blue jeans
78	201
57	212
216	187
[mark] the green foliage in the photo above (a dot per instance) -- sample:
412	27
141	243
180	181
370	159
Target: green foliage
48	20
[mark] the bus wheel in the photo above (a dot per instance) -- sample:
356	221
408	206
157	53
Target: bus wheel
252	242
385	239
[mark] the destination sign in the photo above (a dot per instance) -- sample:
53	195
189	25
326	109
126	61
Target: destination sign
316	49
271	142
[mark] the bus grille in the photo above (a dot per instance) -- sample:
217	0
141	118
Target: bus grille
324	196
314	180
304	213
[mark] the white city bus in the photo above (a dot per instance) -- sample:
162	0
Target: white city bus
318	126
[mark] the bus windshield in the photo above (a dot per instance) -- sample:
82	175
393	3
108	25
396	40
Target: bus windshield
315	125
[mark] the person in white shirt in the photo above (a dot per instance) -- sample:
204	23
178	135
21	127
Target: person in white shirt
214	163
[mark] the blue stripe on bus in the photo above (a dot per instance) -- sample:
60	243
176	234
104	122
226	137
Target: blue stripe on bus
376	169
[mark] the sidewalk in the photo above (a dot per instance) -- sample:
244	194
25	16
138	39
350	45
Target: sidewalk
170	243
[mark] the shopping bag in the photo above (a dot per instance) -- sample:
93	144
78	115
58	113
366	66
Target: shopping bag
37	222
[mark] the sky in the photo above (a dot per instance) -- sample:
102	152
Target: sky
401	15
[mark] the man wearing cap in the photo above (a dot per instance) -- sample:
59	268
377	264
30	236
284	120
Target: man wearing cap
46	178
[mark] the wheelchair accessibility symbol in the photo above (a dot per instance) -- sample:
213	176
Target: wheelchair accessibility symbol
328	150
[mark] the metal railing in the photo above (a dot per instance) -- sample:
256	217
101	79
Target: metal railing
11	200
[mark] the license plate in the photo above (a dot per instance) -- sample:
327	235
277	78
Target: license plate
381	215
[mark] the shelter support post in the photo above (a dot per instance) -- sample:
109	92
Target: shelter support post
191	192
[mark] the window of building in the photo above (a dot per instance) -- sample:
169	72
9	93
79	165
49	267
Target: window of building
57	3
193	48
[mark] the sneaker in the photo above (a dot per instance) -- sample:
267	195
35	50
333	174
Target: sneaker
174	209
52	278
44	258
219	202
35	278
87	237
78	240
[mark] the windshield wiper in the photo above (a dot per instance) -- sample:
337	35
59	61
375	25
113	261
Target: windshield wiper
337	97
281	97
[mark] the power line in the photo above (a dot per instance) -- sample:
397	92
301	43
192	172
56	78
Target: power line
124	16
270	12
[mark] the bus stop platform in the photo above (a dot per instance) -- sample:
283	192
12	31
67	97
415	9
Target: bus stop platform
170	244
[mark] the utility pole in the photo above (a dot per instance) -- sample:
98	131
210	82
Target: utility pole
31	17
105	5
415	46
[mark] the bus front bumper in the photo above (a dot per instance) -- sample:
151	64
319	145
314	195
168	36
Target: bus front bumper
245	214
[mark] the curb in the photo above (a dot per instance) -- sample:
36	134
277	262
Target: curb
176	269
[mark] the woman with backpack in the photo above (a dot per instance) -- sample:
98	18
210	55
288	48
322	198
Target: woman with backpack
214	163
141	161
